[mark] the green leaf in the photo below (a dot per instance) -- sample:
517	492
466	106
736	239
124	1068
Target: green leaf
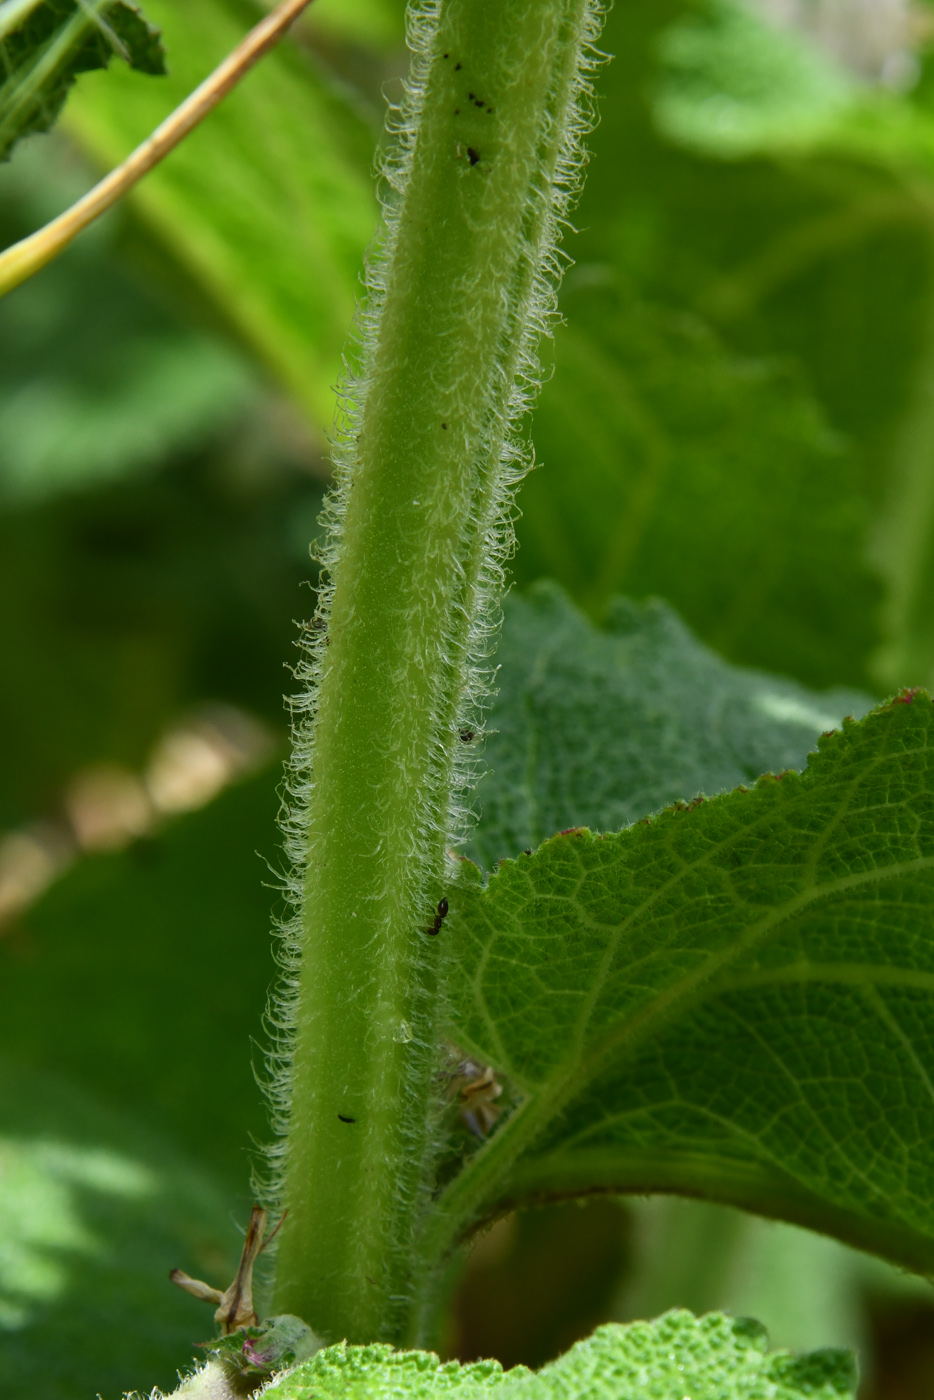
734	84
599	727
143	975
96	1210
857	249
710	1358
674	465
748	337
731	1000
269	204
97	379
45	44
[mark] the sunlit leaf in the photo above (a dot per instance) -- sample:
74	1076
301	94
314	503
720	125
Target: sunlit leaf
674	1357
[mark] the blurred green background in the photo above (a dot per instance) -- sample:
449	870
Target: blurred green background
741	420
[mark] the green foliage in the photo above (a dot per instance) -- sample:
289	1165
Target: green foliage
750	340
768	927
45	44
597	728
740	422
711	477
153	545
269	204
733	85
142	974
665	1360
99	379
96	1209
149	597
108	975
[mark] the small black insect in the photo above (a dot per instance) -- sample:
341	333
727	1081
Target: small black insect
444	425
439	918
345	1119
457	67
472	155
479	102
466	736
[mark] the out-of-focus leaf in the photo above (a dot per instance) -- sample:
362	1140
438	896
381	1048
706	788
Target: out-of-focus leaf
166	394
155	509
369	24
709	478
45	44
812	269
96	1210
143	976
807	1289
734	84
97	379
903	537
676	1356
269	204
126	608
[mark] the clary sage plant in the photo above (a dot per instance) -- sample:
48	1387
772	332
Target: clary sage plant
724	996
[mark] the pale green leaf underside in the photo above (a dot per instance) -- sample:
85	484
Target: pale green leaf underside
45	44
733	1000
598	727
709	1358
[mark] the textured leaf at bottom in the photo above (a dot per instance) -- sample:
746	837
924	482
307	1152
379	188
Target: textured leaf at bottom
676	1356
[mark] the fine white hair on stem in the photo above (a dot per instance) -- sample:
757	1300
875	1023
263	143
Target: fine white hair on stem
469	641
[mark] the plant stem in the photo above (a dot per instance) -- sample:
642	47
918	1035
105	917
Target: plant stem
27	257
488	145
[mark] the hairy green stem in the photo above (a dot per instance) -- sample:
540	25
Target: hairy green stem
487	154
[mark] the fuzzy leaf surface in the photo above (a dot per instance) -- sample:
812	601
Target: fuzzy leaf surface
45	44
597	727
675	1356
731	1000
